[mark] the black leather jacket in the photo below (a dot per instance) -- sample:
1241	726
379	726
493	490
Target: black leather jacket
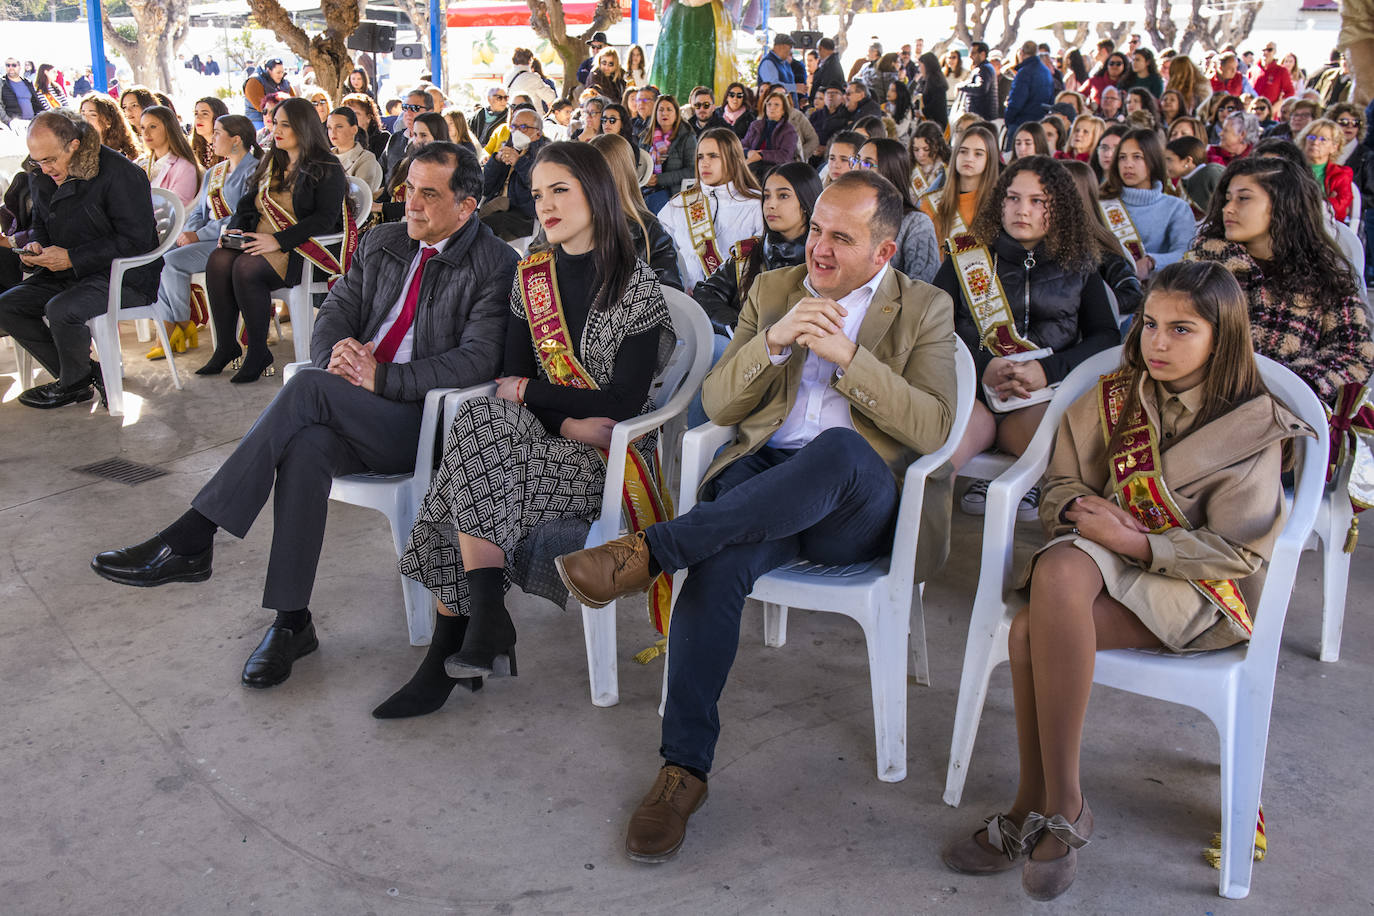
662	252
719	294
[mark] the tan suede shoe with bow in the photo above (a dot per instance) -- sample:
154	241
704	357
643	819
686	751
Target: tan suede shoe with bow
659	824
599	575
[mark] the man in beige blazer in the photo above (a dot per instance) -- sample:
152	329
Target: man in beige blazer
840	374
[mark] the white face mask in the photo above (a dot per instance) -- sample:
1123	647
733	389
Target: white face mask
520	140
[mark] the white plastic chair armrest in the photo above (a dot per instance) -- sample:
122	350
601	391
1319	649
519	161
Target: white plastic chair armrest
622	434
441	405
290	369
699	446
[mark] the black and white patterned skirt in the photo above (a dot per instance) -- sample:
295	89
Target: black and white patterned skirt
502	476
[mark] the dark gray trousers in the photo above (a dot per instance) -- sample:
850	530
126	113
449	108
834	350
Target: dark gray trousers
318	427
63	345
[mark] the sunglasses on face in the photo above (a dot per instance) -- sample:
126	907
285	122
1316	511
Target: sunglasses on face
610	119
701	105
734	95
1346	122
406	107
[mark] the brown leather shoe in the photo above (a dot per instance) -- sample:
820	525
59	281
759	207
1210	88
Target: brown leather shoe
599	575
659	824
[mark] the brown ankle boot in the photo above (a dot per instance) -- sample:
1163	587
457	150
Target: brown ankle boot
659	824
599	575
1045	879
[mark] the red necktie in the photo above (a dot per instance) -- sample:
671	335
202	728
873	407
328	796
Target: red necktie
386	350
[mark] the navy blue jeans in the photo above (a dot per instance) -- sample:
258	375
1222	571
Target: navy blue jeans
832	501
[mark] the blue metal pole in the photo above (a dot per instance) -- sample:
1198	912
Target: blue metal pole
436	25
634	22
97	46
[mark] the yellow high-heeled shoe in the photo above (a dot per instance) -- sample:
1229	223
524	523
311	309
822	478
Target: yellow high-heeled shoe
178	341
192	336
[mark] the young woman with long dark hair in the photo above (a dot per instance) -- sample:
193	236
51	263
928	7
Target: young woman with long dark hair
652	243
731	193
673	146
349	142
207	111
1163	223
296	194
1266	227
929	159
1125	554
365	108
918	250
537	439
973	170
428	127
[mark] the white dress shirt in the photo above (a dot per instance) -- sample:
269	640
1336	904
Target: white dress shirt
407	342
819	406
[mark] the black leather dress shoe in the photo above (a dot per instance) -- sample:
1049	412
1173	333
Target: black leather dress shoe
53	394
271	661
152	563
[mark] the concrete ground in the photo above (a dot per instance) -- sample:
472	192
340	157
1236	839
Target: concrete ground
141	777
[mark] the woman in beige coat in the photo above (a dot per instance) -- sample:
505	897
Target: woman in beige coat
1162	502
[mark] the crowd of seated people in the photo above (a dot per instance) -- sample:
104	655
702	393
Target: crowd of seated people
840	235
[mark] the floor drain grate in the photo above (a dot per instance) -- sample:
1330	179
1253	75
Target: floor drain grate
122	471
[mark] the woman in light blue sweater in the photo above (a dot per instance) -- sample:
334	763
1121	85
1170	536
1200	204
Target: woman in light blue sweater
918	252
1137	178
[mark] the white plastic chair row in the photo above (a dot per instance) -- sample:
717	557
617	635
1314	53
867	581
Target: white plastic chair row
1234	687
881	596
171	216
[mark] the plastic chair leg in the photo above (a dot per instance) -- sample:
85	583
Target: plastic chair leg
886	638
920	658
105	331
167	349
1335	574
419	611
143	327
1243	740
774	625
302	318
985	649
598	629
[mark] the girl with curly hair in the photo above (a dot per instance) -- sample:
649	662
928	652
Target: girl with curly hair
101	112
1265	225
370	120
972	173
1106	579
1031	229
1138	177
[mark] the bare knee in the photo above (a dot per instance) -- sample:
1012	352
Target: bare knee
1064	571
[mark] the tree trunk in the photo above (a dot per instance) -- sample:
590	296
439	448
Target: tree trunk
327	52
546	18
1159	22
162	27
846	20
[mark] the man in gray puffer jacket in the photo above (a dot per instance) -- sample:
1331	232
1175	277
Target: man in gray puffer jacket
424	305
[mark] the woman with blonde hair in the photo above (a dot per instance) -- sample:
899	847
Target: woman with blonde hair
320	100
460	133
1083	137
1320	143
101	112
608	77
646	232
974	168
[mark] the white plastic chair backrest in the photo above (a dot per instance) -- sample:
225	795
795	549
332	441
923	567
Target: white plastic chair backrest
360	199
165	207
694	334
1353	249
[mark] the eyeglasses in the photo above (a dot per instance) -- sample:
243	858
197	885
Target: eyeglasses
863	163
405	107
734	95
703	106
1317	138
500	97
1347	122
610	119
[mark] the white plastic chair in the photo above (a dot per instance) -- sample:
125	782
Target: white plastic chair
23	363
673	389
1234	687
397	496
300	299
171	215
881	596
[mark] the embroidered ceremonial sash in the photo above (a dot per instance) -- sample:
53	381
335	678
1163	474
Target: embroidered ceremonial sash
1139	482
200	305
1351	422
987	302
1119	221
700	228
644	500
741	251
310	249
214	191
919	185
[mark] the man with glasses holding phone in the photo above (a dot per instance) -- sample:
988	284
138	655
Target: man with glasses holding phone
416	101
704	115
18	94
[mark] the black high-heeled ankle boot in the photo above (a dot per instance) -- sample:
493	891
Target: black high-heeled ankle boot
218	360
255	366
428	689
489	644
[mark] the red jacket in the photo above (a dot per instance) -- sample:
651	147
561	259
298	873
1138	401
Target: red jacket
1339	192
1221	157
1234	86
1094	88
1274	83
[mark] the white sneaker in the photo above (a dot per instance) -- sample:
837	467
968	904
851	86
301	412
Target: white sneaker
975	499
1029	508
